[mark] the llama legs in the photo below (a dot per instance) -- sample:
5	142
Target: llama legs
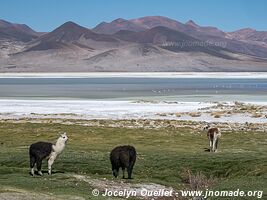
32	163
39	166
214	145
210	144
129	170
123	172
50	163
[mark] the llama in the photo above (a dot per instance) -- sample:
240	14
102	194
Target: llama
123	157
213	135
45	150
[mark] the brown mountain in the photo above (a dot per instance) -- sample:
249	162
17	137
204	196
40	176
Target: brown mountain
196	30
171	40
117	25
146	44
139	24
253	44
154	21
69	35
245	41
248	34
157	35
149	22
18	32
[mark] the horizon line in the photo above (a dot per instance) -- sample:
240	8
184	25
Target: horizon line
127	19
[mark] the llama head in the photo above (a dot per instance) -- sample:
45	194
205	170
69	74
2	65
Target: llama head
63	138
206	127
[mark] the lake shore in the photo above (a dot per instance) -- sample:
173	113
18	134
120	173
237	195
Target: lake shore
137	74
208	112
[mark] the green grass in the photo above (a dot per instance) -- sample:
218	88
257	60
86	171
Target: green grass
162	156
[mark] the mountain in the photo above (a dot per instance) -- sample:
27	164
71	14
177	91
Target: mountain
152	43
248	34
18	32
70	32
149	22
13	37
212	35
154	21
156	35
171	40
196	30
134	57
192	23
70	35
117	25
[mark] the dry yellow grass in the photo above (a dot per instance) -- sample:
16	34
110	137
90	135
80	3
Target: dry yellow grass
162	114
217	116
229	112
194	114
256	115
178	114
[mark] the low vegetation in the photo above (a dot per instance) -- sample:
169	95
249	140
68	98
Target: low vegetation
162	156
194	114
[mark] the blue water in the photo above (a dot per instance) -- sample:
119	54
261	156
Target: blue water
180	89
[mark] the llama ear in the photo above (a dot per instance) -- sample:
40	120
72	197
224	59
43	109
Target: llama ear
64	134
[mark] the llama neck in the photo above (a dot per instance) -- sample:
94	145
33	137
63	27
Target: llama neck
59	146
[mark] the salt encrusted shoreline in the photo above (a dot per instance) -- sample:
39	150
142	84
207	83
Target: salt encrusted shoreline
138	75
223	112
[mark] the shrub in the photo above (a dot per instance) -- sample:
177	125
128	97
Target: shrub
196	181
195	114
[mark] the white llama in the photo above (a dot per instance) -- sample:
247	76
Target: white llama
41	150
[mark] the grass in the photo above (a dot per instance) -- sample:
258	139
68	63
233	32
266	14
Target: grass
163	154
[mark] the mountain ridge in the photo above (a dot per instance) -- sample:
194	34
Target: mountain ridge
152	43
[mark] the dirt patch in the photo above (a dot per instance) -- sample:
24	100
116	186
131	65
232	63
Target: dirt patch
19	194
139	188
24	196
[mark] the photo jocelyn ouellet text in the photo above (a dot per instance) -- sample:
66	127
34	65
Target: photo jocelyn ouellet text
127	193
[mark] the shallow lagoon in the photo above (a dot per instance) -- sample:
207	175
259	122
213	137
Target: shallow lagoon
133	88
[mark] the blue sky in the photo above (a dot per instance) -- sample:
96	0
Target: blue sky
45	15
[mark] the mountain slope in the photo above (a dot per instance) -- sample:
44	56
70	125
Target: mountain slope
68	36
171	40
18	32
154	21
117	25
248	34
135	45
251	44
129	58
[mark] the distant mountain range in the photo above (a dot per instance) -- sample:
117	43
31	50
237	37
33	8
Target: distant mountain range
152	43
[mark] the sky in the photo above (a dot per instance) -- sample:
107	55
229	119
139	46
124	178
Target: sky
46	15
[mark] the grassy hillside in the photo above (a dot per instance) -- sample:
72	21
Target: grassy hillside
163	156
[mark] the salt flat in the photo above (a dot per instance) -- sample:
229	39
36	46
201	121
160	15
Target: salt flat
119	110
